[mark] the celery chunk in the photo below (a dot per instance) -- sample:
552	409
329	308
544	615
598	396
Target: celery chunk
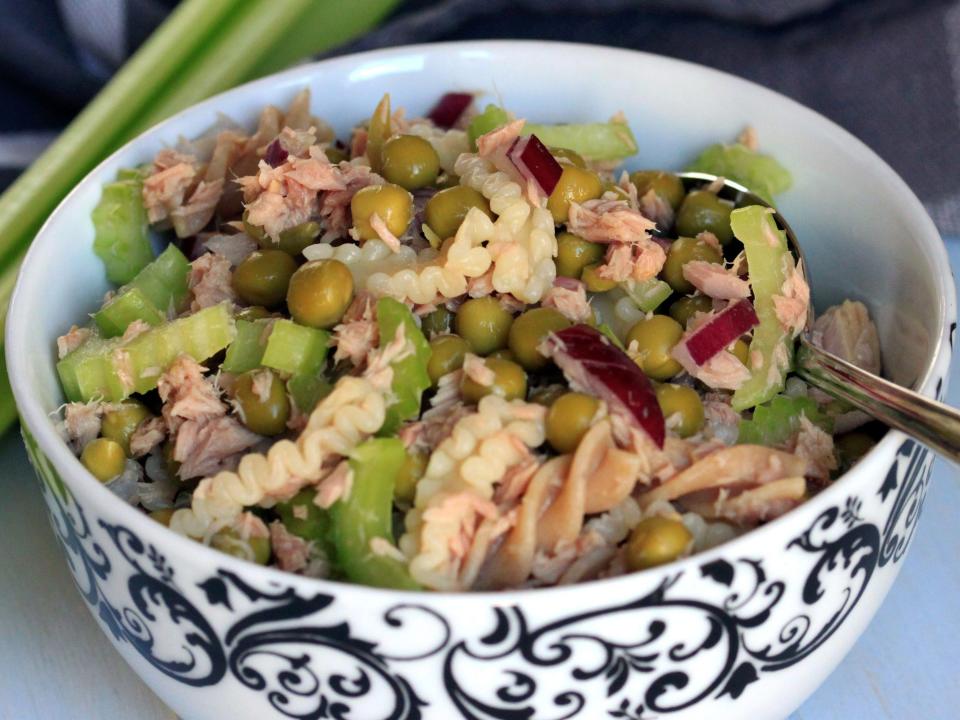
492	117
295	349
121	238
769	261
307	390
246	351
366	514
164	281
593	141
775	422
410	377
759	173
121	310
648	295
90	361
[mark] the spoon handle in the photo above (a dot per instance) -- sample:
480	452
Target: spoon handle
932	423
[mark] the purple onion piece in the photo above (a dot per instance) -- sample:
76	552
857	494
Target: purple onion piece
590	361
449	108
535	162
275	154
719	331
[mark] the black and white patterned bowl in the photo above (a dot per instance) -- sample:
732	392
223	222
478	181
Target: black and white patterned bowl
748	629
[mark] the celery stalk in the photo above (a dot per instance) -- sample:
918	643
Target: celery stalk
367	513
121	310
647	295
759	173
122	238
410	376
307	390
87	365
774	423
769	260
295	349
246	351
164	281
492	117
594	141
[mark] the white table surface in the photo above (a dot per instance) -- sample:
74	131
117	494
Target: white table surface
55	664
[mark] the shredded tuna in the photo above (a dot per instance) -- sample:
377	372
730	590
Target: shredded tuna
193	215
187	395
791	306
205	447
335	205
714	280
357	334
640	261
210	281
148	435
379	371
383	232
816	447
847	331
748	138
723	371
292	552
262	384
382	547
657	209
235	248
721	421
248	526
76	336
480	286
297	142
82	423
334	486
709	239
165	189
608	221
137	327
498	141
569	302
475	369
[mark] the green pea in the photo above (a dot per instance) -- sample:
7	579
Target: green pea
684	403
104	458
575	185
294	240
414	465
446	355
484	324
254	549
574	254
162	516
254	231
510	382
568	420
262	278
320	293
655	337
742	352
446	210
546	395
566	156
682	251
438	322
336	154
391	203
594	282
686	307
262	403
656	541
667	185
529	330
503	354
121	420
302	517
703	211
410	162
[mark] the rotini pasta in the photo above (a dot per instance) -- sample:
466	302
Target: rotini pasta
524	243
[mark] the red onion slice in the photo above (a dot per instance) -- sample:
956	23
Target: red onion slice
449	108
275	154
534	162
719	331
591	362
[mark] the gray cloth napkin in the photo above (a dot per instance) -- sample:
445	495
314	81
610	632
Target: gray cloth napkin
887	70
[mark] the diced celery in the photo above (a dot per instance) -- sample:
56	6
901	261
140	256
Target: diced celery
135	173
295	349
90	361
121	310
608	333
492	117
307	390
594	141
367	514
769	260
164	281
121	238
246	351
647	295
774	423
410	377
760	173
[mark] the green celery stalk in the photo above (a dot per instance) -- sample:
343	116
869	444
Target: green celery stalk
246	351
759	173
492	117
122	239
608	333
164	281
367	513
774	422
647	295
121	310
295	349
307	390
769	260
593	141
8	408
87	365
410	377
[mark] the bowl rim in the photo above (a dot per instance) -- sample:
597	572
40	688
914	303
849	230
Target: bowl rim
71	470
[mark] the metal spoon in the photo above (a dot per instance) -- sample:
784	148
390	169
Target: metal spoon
932	423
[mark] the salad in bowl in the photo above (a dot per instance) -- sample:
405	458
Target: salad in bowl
465	351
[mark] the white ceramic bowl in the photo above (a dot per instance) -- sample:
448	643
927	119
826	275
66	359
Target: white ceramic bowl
746	630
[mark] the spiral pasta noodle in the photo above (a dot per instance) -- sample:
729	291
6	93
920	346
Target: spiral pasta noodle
351	413
458	485
524	242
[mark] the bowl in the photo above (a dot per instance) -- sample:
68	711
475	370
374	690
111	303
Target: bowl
748	629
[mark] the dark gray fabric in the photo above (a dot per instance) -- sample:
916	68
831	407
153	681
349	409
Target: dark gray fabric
887	70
